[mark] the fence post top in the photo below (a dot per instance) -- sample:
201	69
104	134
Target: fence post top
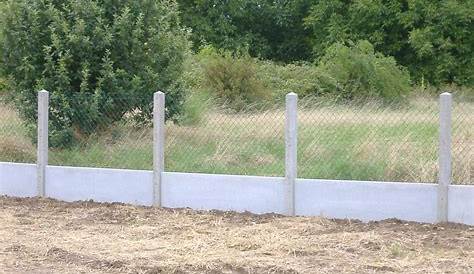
291	94
159	93
446	94
43	91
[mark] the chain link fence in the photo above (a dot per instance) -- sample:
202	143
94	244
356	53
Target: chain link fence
463	141
116	133
242	144
369	142
16	139
358	142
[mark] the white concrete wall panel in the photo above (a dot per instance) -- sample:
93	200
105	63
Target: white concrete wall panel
100	185
366	200
18	180
224	192
461	204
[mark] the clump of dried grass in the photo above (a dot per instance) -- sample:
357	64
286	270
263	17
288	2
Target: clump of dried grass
14	150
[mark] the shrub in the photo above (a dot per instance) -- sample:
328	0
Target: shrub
232	78
98	58
303	78
195	107
360	72
352	72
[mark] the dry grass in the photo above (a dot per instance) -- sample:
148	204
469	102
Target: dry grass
366	142
15	146
44	236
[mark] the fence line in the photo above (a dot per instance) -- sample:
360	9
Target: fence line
444	150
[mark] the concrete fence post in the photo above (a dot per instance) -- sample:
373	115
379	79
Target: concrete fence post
42	144
445	169
158	145
291	145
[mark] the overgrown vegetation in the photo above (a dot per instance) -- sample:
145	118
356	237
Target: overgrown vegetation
98	59
343	74
360	72
433	39
232	78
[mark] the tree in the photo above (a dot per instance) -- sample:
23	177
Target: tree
377	21
432	38
100	59
270	29
441	35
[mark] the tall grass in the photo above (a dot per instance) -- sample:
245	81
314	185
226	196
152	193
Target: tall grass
360	142
15	145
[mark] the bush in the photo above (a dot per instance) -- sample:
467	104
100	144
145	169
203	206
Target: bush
195	107
345	73
303	78
232	78
98	58
360	72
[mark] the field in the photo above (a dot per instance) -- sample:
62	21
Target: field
360	142
44	236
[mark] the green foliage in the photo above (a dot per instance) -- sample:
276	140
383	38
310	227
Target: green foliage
344	73
3	86
304	79
360	72
377	21
441	35
269	29
232	78
432	38
196	105
98	58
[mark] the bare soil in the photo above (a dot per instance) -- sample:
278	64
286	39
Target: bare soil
48	236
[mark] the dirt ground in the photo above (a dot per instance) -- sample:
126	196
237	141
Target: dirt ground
47	236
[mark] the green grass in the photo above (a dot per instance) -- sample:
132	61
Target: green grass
367	152
334	142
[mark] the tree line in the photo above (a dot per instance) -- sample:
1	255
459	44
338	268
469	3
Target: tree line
433	39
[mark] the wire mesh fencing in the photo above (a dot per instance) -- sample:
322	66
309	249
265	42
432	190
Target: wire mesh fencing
112	133
16	138
351	142
463	142
250	143
369	142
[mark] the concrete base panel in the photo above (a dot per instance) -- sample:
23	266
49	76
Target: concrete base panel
367	201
